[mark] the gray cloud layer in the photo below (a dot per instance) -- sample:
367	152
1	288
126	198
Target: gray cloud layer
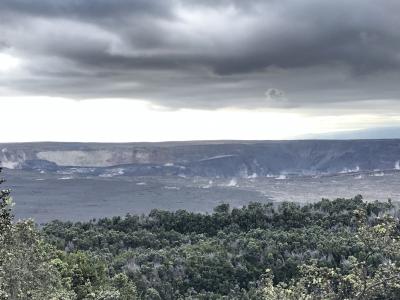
207	54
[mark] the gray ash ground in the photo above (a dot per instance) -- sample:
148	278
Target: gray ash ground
77	196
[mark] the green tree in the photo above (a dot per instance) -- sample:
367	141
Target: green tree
373	274
26	269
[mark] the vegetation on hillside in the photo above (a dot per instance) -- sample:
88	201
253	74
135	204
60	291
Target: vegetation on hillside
340	249
31	268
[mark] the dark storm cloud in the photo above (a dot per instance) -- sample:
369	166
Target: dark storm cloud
206	54
84	9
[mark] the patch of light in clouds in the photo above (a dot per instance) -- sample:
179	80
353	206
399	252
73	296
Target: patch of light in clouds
116	120
8	62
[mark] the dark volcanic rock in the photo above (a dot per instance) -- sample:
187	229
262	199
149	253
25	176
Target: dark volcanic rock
39	164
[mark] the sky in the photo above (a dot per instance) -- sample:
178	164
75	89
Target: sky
140	70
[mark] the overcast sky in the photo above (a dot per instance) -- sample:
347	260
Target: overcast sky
149	70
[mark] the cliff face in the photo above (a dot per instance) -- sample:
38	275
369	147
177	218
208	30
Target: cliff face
223	159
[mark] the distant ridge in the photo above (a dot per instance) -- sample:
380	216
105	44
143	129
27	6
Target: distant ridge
207	158
370	133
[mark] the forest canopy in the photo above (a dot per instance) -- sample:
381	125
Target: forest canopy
330	249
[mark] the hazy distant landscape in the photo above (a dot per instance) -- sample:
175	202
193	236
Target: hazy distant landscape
83	181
